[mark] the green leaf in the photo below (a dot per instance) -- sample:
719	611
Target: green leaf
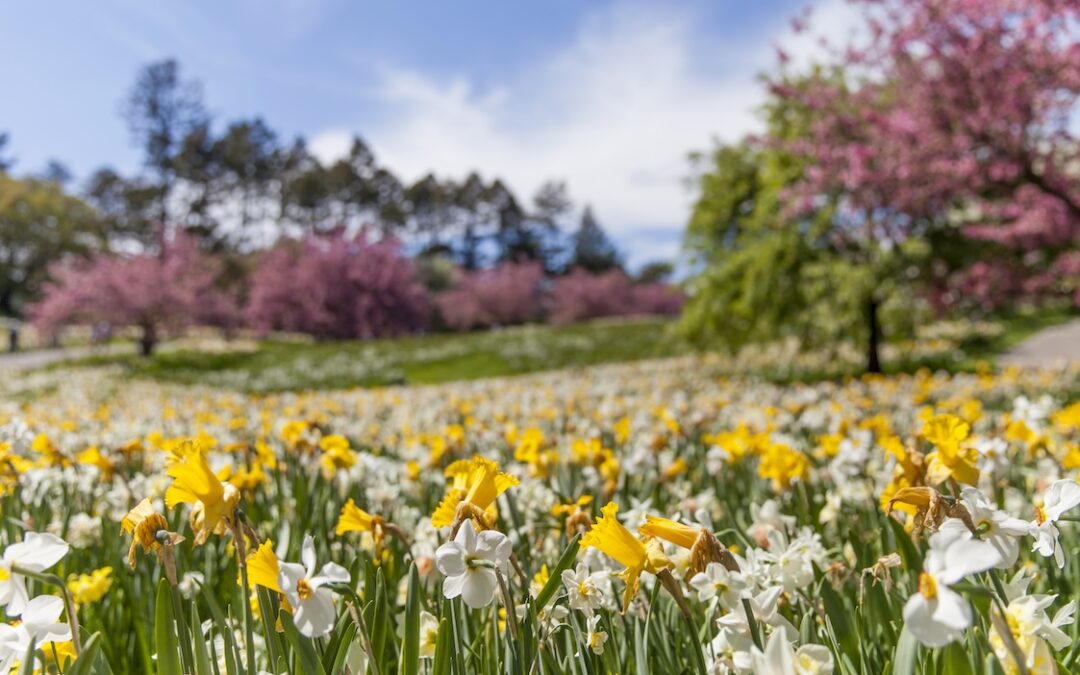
200	656
839	620
268	607
168	650
301	645
347	642
954	661
410	645
84	664
906	656
441	662
910	555
555	576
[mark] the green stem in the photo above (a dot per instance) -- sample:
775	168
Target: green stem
186	655
69	603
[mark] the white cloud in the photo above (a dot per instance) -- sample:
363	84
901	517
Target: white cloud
614	113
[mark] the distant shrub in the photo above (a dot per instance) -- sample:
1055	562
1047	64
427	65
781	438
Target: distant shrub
505	295
580	296
337	286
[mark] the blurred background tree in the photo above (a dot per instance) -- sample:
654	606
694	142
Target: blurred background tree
39	223
884	173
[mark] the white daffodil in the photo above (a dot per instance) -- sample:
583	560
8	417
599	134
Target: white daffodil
719	582
37	552
1034	632
766	518
730	649
313	605
995	526
1060	497
780	658
583	588
937	615
596	637
469	563
429	635
39	624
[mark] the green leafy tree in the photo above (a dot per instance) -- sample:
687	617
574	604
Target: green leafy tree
39	223
765	272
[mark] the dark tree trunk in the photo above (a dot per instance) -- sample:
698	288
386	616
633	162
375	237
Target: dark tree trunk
873	360
148	340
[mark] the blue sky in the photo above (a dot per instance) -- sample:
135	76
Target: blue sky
609	96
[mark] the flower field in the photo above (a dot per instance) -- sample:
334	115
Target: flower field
657	517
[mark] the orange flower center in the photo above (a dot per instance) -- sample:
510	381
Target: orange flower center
927	586
303	589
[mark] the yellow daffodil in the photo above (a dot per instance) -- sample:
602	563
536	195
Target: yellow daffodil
950	458
263	567
88	588
637	556
336	455
782	465
476	483
213	502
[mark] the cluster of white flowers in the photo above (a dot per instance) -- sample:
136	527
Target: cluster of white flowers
38	618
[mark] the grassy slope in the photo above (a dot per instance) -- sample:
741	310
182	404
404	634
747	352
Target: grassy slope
419	360
282	366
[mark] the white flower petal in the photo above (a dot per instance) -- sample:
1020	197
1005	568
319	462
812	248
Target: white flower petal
37	551
315	616
479	588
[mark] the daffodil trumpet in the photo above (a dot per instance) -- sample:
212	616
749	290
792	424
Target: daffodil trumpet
703	545
355	519
613	539
931	508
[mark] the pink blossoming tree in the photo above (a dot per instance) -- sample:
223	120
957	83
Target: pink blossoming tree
511	293
161	291
337	286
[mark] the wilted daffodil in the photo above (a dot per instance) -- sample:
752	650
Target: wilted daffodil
213	502
614	540
477	482
150	530
703	545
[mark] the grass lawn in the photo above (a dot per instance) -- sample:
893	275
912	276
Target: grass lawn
272	366
280	366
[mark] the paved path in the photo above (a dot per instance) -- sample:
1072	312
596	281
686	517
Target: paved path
37	358
1047	347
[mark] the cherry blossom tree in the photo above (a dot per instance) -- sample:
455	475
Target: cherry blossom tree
158	291
579	296
511	293
946	121
337	286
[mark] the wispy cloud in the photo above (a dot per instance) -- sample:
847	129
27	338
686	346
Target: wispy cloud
615	113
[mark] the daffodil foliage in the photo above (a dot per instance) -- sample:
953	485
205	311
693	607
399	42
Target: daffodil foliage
655	517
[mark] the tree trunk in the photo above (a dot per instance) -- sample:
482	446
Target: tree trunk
148	340
873	360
